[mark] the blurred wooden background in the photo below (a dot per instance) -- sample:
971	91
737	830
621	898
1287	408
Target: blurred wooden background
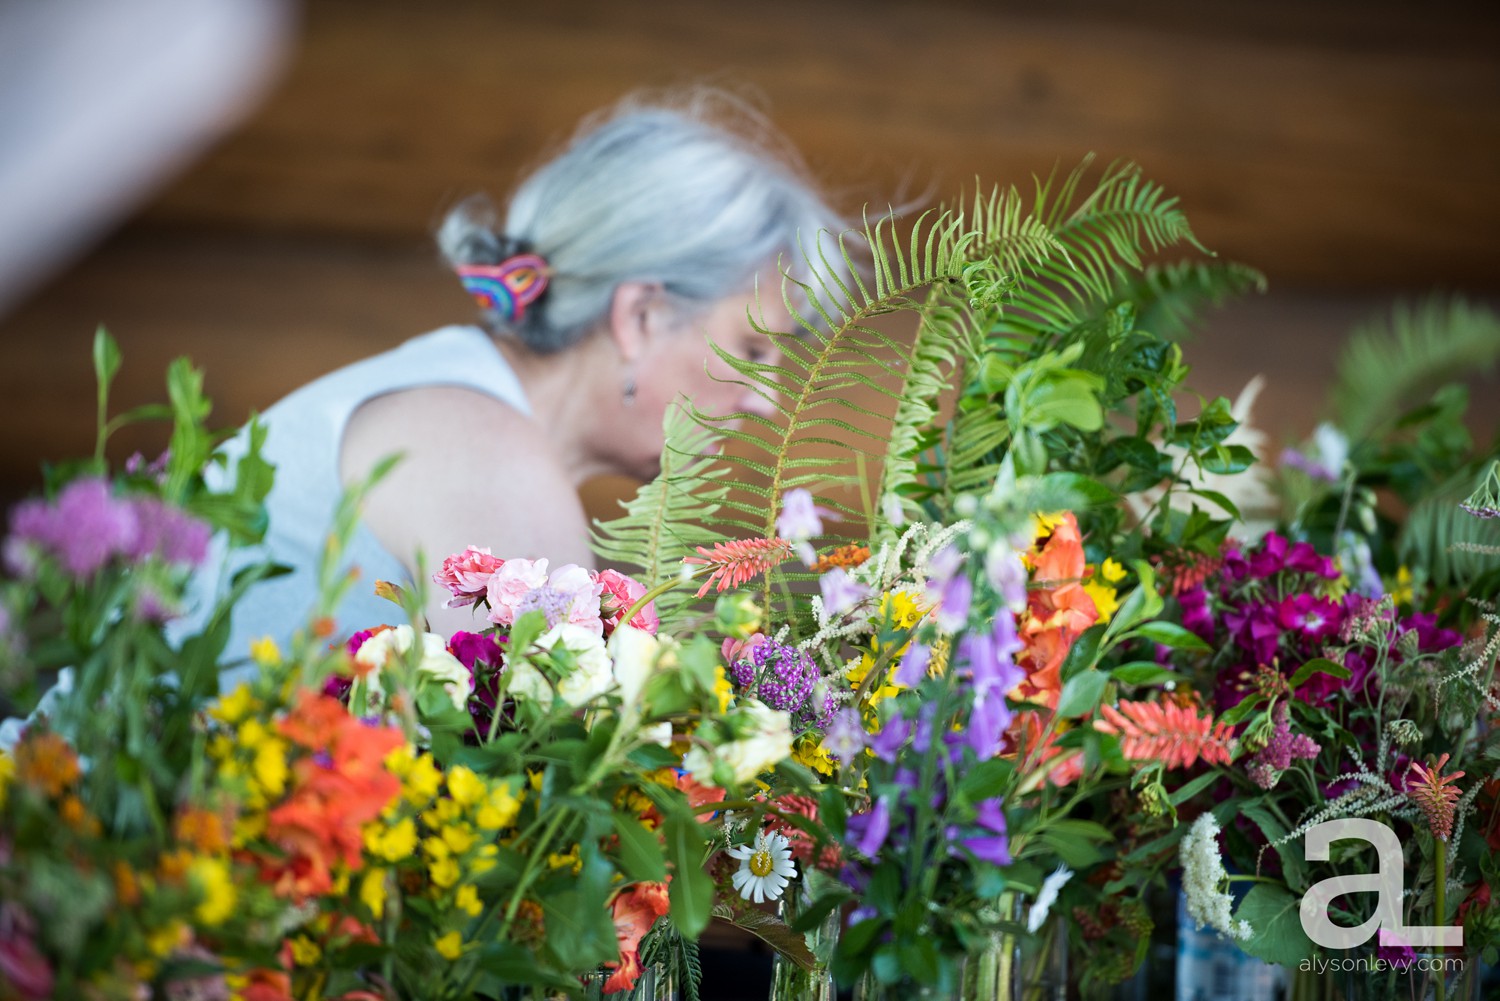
1349	150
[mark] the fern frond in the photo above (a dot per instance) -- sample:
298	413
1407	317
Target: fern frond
1447	541
1388	366
1168	297
668	517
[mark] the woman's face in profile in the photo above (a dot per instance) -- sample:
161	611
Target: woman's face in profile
682	364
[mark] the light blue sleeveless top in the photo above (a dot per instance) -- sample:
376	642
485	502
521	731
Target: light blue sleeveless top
304	432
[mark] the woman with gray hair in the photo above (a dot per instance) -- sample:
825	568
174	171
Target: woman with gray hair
601	284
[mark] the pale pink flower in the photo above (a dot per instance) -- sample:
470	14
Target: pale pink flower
466	575
508	585
579	584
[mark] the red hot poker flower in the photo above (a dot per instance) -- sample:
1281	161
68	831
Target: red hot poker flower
736	562
1432	792
1174	735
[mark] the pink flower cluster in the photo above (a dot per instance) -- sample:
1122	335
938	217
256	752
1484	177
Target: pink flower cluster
87	526
570	593
1283	747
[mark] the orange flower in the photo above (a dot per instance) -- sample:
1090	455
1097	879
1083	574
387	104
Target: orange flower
698	794
202	829
736	562
267	985
335	791
46	761
634	910
1056	614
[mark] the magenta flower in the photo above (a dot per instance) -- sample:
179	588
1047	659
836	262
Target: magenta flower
1314	618
1284	747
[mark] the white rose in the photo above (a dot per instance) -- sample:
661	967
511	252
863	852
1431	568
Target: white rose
593	674
634	652
437	664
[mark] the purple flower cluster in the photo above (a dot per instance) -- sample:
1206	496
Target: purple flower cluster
1280	751
784	678
1269	606
87	526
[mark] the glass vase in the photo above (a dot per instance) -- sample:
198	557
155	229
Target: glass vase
790	980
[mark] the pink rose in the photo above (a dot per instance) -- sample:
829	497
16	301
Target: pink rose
508	585
619	594
467	574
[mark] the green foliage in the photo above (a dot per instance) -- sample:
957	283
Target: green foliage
1390	365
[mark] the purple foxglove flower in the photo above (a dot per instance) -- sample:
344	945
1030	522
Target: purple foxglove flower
913	666
799	521
866	832
840	592
845	736
890	739
953	604
994	845
1006	574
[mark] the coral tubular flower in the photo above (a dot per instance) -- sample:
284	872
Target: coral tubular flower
1172	734
734	563
1432	792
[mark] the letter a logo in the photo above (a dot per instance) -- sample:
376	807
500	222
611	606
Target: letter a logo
1388	883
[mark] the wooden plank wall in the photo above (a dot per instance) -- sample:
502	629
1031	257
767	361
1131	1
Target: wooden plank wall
1349	150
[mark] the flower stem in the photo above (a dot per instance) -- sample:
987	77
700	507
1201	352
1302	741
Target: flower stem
1440	893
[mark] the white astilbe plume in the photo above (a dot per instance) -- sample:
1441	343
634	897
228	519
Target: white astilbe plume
1203	878
1046	897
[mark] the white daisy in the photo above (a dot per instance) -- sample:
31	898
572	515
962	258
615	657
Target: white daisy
765	867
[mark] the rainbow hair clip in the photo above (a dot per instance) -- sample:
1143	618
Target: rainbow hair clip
506	288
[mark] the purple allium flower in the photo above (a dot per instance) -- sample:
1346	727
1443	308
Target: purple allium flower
866	832
993	846
845	736
840	591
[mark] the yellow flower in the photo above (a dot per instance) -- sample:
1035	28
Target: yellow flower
535	778
499	809
444	811
392	843
901	609
422	781
270	768
305	952
723	689
1105	598
166	938
1112	571
237	705
569	858
213	880
486	860
444	872
450	946
265	652
458	837
814	755
467	900
372	891
7	772
466	788
1403	592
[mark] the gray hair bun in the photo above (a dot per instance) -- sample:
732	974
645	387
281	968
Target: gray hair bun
697	194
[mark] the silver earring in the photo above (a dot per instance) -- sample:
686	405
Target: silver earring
629	396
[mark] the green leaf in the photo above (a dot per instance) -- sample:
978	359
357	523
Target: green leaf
691	892
1143	672
1172	635
1277	935
1318	665
1223	460
1188	790
1081	693
985	780
1084	652
640	850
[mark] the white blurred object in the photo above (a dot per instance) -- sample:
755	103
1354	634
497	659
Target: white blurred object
103	101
